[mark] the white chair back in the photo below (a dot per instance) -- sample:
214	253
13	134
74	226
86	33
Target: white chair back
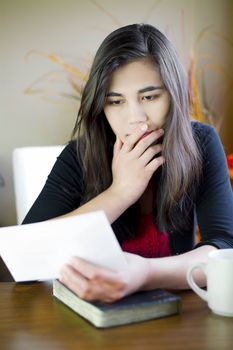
31	167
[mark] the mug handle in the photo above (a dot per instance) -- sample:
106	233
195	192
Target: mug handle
201	292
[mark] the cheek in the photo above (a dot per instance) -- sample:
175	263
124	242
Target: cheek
110	119
114	123
167	103
159	111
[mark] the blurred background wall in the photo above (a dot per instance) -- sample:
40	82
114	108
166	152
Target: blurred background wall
72	30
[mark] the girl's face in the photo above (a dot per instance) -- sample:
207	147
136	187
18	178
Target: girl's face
136	96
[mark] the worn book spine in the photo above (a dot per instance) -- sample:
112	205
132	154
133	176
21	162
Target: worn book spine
134	308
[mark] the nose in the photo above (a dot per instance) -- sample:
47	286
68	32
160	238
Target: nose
137	113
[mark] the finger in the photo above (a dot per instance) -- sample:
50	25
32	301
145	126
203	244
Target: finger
99	277
73	280
132	139
147	141
105	286
117	146
155	164
88	269
150	153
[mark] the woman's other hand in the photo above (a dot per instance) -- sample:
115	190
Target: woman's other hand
91	282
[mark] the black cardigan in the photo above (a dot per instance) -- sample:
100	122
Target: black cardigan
213	208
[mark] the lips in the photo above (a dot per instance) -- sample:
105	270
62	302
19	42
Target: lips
146	134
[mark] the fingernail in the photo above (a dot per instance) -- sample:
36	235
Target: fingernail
144	127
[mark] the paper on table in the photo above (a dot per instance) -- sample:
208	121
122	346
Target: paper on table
37	251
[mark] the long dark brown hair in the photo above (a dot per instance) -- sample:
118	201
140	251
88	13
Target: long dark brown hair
177	179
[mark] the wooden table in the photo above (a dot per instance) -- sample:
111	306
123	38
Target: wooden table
31	318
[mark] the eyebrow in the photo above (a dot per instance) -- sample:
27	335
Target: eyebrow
145	89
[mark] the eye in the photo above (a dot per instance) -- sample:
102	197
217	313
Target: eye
114	102
149	97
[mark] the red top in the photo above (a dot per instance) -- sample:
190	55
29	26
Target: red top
149	242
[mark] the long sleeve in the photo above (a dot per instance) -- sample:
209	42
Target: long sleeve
214	206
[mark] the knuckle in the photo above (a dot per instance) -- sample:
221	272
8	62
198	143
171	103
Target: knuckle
96	276
159	132
157	150
156	162
129	143
115	297
85	293
122	284
159	147
81	294
159	161
118	294
154	150
144	142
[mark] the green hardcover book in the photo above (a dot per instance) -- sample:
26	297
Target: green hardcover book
137	307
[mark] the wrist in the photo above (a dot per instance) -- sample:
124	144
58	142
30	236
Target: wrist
114	205
137	275
147	274
119	196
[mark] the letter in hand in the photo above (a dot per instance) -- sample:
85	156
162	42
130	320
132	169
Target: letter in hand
92	282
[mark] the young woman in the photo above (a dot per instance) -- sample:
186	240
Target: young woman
138	157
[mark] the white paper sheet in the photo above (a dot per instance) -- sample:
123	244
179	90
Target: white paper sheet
37	251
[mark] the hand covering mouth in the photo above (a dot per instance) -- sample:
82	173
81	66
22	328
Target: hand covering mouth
145	134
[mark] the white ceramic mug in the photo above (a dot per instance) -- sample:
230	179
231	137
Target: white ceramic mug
219	273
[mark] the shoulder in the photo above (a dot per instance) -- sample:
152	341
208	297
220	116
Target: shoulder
206	138
202	131
214	165
69	150
69	154
67	164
